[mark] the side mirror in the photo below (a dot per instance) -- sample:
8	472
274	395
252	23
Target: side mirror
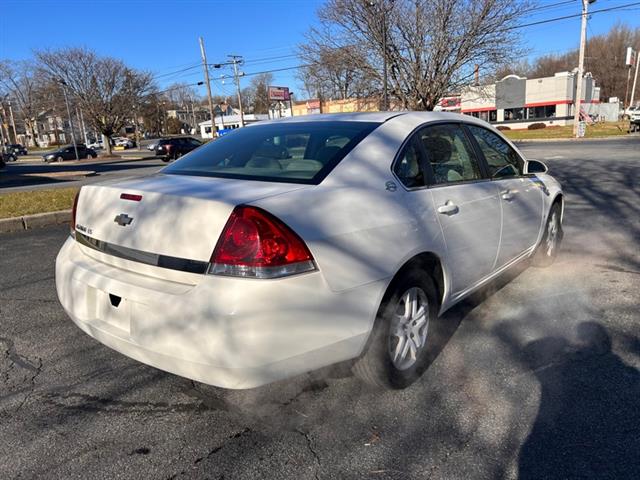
535	166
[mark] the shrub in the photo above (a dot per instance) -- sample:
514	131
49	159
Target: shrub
503	127
536	126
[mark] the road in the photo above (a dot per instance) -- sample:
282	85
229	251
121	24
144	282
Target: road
539	378
32	175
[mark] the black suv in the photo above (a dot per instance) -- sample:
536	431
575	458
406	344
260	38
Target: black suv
175	147
69	153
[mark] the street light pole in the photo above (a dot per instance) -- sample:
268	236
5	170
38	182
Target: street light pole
66	100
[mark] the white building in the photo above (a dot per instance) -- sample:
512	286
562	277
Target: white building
517	101
228	122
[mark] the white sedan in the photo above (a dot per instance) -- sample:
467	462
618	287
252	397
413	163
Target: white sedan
290	245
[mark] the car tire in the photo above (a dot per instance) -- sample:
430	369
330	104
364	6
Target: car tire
547	250
166	159
59	159
383	364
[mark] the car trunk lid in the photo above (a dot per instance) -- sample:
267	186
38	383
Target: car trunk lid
174	216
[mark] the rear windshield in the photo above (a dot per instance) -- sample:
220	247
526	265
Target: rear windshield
277	152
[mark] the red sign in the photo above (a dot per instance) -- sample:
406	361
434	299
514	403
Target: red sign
279	94
311	104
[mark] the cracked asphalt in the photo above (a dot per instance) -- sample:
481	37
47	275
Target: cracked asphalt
538	376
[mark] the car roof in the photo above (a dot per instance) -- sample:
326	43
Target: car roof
378	117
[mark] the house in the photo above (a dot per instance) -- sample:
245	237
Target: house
50	129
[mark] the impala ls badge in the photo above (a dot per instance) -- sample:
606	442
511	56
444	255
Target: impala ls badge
123	219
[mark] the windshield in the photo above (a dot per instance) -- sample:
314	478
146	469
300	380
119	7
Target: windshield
277	152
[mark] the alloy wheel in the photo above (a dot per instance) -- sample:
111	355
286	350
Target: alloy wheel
408	329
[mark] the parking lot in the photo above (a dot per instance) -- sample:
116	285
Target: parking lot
539	377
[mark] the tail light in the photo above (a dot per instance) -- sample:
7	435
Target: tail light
256	244
73	214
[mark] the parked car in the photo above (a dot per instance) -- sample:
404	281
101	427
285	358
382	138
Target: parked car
152	146
18	149
290	245
7	155
124	142
175	147
96	145
68	153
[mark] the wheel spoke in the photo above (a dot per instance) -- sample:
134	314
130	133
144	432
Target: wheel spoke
405	349
414	302
406	301
397	357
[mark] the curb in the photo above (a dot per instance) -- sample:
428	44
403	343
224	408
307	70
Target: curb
36	220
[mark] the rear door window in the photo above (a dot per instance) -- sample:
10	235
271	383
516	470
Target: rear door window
408	166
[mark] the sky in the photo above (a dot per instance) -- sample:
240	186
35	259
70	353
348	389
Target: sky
161	36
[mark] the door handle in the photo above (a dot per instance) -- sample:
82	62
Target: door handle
507	195
448	208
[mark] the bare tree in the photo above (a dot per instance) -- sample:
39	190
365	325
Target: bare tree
257	93
107	90
335	72
431	46
22	82
179	95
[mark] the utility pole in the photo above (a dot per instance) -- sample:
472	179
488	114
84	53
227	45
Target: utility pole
235	60
13	123
66	100
205	66
635	80
385	95
583	41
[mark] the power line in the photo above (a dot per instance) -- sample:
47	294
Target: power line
556	19
550	5
515	27
176	72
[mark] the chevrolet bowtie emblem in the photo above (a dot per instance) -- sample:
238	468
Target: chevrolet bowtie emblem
123	219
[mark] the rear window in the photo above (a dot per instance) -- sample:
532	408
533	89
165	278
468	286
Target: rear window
278	152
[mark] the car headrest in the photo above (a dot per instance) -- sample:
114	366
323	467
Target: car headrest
263	162
438	148
325	154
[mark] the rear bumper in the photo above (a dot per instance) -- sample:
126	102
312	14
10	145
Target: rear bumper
232	333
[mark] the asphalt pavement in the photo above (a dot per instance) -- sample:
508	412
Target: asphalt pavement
34	174
539	377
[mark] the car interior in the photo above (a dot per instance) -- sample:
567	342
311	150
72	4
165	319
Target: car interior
295	155
449	155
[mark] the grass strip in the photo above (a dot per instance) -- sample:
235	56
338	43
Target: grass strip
17	204
596	130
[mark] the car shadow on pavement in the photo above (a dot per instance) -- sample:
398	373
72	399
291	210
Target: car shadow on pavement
587	422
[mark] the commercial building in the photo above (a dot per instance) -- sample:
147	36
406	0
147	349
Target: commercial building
228	122
518	101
